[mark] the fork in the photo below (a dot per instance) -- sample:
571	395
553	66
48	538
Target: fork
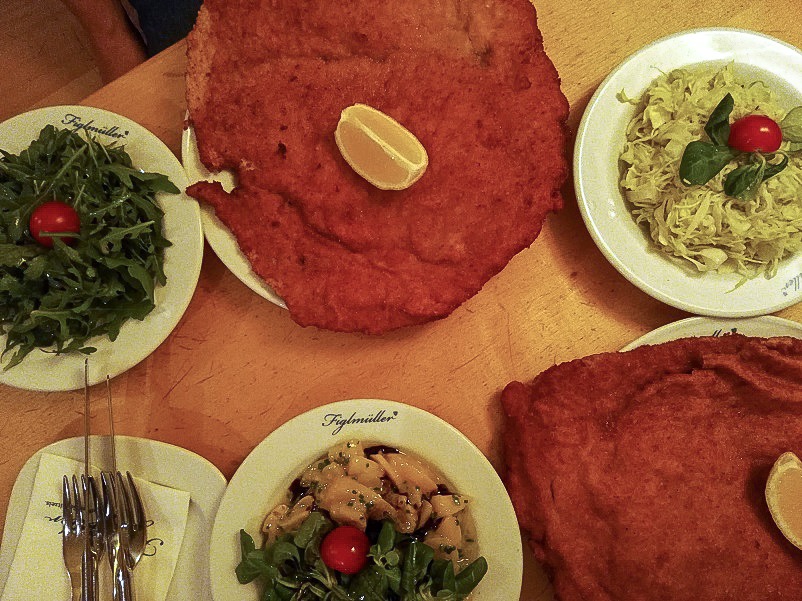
75	542
94	528
132	518
116	539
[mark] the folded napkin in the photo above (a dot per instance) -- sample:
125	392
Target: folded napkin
38	572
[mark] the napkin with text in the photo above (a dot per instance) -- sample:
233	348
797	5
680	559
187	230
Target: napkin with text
38	572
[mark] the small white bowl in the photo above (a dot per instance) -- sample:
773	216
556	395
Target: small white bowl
601	138
267	472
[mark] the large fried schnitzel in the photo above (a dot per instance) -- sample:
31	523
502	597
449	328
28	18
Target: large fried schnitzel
266	83
640	476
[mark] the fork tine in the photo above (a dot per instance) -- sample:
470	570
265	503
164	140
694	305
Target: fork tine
78	508
136	501
66	507
123	501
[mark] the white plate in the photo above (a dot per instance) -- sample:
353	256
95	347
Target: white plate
151	460
766	326
182	261
271	467
601	138
223	242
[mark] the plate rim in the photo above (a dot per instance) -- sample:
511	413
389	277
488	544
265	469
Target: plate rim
698	322
629	269
185	220
221	240
222	549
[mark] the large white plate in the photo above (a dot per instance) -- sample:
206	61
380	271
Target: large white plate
223	242
151	460
766	326
182	261
272	466
601	138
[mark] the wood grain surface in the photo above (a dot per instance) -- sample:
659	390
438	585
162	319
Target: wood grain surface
236	366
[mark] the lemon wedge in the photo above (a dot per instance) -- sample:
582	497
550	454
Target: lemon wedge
379	148
784	496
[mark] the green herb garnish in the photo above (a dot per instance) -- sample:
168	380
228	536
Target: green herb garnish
702	161
400	568
57	298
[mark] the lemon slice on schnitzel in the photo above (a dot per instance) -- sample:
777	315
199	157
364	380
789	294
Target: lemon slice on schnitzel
379	148
784	496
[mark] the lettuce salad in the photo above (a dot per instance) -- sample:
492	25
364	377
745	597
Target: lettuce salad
701	224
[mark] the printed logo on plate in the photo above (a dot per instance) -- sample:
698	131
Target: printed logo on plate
77	124
337	421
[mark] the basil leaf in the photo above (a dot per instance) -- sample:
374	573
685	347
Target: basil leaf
315	525
718	126
449	578
416	564
773	169
370	585
702	161
791	126
742	182
469	577
386	540
252	564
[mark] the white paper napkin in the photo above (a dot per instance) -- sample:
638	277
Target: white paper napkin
38	572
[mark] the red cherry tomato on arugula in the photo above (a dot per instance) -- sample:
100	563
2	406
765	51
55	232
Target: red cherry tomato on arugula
755	133
345	549
53	217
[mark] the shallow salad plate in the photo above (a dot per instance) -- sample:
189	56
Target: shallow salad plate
182	261
223	242
601	138
766	326
151	460
268	471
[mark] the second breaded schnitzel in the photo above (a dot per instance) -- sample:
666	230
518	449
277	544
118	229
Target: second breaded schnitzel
640	476
266	82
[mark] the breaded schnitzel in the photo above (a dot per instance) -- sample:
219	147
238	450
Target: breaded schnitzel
640	475
266	83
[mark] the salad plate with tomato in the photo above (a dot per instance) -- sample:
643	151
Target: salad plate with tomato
366	499
684	168
100	249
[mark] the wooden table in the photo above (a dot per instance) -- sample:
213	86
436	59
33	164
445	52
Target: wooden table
236	366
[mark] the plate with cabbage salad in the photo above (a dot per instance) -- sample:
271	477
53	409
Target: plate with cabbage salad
100	249
688	168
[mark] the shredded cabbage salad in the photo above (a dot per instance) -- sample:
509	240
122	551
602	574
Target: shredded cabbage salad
701	224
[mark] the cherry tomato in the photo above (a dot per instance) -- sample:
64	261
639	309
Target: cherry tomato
345	549
755	133
53	217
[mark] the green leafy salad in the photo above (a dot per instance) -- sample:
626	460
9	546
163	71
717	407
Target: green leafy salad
365	523
81	244
399	568
712	168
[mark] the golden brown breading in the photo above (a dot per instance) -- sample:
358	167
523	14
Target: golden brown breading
639	476
266	82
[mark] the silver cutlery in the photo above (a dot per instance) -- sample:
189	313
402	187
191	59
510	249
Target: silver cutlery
132	518
81	540
93	528
116	540
75	541
124	520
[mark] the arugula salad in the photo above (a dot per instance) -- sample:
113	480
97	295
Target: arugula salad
365	523
81	243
